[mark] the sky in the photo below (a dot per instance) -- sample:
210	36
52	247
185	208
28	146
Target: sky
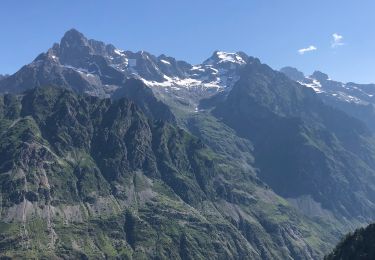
333	36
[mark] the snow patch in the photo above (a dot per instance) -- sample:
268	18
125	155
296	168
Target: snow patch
178	83
165	62
315	85
230	57
119	52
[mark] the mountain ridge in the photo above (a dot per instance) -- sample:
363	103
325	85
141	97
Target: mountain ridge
356	100
291	128
74	48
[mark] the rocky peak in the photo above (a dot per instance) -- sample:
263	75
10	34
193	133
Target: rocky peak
221	57
319	76
74	48
73	39
293	73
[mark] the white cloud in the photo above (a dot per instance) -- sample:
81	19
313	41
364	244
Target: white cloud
337	40
308	49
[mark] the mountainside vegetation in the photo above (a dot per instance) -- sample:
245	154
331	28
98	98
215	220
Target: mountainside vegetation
357	245
83	177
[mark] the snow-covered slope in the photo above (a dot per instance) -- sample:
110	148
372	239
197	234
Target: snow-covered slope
322	84
219	71
357	100
100	69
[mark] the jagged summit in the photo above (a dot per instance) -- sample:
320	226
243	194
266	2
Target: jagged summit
74	48
72	36
293	73
297	75
226	57
99	69
358	100
320	76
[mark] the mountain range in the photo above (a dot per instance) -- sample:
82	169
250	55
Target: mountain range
355	99
108	153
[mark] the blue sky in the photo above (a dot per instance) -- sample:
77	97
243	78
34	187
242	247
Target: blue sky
272	30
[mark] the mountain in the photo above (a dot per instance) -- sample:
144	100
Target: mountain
319	158
3	76
357	245
99	69
151	157
356	100
84	177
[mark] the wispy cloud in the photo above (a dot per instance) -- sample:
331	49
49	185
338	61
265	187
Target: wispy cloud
337	40
308	49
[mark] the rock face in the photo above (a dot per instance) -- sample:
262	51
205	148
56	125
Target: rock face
76	63
293	74
143	96
356	245
87	177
